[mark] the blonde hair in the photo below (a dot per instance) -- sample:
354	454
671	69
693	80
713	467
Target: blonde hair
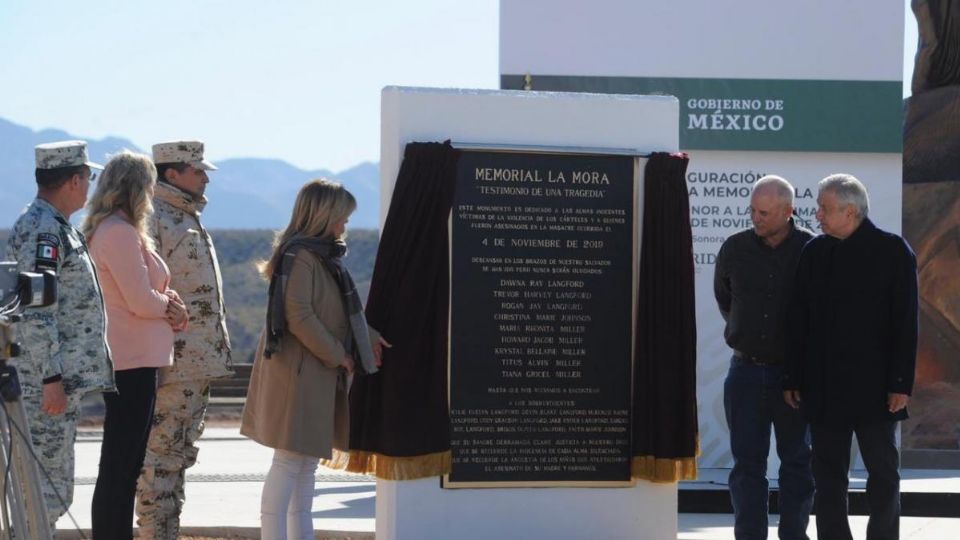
123	186
320	205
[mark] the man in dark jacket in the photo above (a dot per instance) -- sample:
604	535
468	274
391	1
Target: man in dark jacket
754	274
852	344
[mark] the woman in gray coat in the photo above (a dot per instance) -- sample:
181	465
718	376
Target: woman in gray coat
297	400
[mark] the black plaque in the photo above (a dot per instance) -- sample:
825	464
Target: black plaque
542	302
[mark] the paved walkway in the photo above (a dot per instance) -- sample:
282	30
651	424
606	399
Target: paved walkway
223	488
223	497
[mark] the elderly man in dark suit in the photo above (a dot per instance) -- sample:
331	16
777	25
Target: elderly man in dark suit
852	344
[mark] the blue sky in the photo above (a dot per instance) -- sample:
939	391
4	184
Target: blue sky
290	79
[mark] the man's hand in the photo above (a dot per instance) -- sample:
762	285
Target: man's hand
792	397
54	399
896	402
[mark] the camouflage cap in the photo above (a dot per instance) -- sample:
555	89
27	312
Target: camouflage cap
63	154
189	152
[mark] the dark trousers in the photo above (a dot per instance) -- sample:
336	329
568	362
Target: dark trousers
753	402
831	463
126	428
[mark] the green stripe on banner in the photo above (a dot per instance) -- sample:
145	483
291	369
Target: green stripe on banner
762	114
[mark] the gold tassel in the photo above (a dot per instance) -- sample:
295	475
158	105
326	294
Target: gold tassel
390	467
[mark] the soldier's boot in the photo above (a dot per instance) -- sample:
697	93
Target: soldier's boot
159	502
168	529
149	528
146	516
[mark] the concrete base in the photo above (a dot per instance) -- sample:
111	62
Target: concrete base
420	509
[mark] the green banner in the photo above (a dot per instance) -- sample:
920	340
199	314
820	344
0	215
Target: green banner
761	114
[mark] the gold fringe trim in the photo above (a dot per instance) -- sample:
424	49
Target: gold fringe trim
339	460
390	467
651	468
663	470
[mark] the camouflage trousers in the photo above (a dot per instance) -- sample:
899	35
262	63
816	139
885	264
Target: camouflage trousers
53	438
177	424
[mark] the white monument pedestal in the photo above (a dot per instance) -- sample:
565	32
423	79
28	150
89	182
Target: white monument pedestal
420	509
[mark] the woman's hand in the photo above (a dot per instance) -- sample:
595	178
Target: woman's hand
347	364
176	315
378	347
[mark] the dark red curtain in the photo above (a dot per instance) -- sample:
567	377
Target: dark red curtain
399	422
665	428
402	410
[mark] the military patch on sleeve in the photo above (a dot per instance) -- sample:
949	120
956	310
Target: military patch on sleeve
48	251
48	238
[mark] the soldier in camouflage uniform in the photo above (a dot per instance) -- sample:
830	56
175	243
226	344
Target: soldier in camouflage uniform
201	353
65	355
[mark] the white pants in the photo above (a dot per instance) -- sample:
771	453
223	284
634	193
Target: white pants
287	500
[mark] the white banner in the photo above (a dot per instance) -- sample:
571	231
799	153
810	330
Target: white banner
828	58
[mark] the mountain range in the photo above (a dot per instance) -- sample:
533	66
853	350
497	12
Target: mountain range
244	193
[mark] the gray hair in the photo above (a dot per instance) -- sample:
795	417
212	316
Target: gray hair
779	184
849	190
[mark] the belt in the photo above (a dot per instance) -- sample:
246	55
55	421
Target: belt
756	360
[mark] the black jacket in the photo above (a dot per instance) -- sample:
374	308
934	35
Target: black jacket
852	326
752	283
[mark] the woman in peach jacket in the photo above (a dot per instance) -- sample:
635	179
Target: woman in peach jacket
142	315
